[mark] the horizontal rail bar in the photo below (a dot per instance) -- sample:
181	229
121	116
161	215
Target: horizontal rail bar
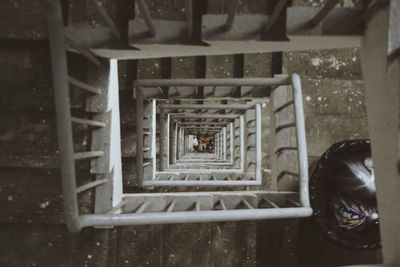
251	163
143	207
145	164
250	134
174	183
242	193
83	51
192	216
207	163
189	17
90	185
205	124
284	126
199	131
197	205
251	121
267	171
201	127
178	91
192	171
117	208
209	106
202	123
232	8
189	159
293	202
145	12
280	108
84	86
88	122
204	116
103	13
89	154
372	9
251	147
270	202
323	12
160	90
171	206
281	149
280	5
247	204
221	201
281	80
283	173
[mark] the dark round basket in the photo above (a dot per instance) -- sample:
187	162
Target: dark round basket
322	190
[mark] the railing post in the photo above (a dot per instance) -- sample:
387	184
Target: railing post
301	141
63	113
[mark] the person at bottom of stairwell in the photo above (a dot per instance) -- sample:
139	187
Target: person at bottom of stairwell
203	141
193	143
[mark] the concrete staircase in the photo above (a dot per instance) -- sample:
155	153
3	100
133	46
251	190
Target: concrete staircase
31	216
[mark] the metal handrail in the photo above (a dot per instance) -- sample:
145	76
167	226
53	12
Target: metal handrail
301	140
75	221
281	80
63	113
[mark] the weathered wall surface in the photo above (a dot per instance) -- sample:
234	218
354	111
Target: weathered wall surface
335	110
333	96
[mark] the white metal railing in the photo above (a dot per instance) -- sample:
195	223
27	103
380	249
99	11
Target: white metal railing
156	208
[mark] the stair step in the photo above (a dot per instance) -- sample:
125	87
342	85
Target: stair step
175	202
